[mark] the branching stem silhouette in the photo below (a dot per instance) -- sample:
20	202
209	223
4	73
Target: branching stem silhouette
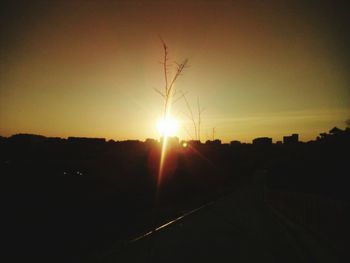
168	93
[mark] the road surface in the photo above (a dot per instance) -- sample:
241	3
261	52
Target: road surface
236	228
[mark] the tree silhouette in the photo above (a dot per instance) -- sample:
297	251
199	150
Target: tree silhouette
199	111
169	92
191	116
196	124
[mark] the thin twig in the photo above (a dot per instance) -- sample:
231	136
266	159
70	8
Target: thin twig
159	92
191	114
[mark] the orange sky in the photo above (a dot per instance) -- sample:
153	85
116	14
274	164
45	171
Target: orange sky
89	68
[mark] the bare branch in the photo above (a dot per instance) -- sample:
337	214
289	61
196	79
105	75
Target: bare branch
177	74
191	115
178	98
169	91
159	92
199	119
165	66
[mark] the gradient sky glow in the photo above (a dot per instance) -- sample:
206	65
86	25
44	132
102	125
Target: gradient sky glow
88	68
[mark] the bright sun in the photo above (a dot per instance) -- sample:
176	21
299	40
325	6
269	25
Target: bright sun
167	127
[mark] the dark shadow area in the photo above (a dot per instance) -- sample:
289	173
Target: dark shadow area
66	199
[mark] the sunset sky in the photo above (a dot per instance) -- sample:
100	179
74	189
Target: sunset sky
89	68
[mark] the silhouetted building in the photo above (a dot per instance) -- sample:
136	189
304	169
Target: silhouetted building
150	141
55	140
194	142
294	138
262	141
130	142
27	138
86	140
171	141
214	142
235	143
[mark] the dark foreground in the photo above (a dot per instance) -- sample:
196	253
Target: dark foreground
236	228
84	200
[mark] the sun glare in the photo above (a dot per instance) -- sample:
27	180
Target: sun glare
167	127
